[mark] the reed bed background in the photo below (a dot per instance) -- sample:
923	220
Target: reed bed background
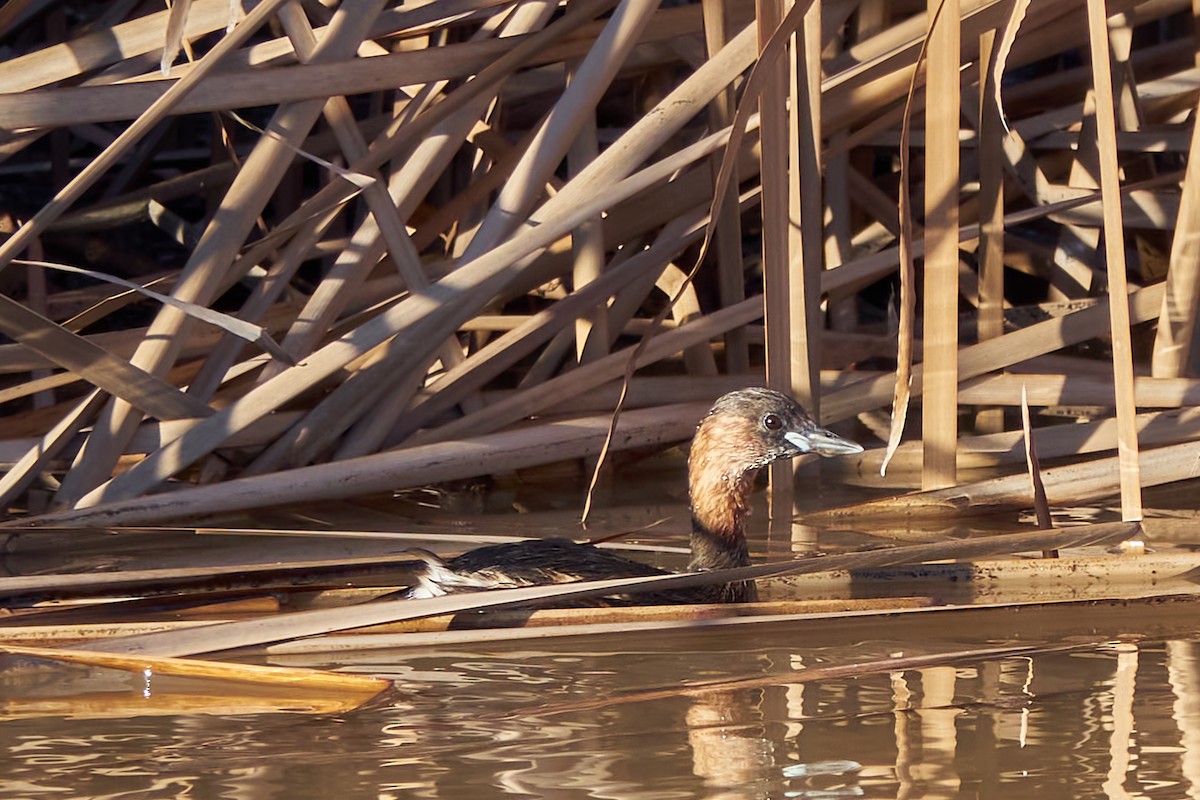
437	236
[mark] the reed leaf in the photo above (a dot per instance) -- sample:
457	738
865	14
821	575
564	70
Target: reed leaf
96	365
1041	507
176	24
246	331
254	673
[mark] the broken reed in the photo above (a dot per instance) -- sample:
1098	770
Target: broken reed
392	211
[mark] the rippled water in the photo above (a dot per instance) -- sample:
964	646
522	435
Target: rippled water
610	721
1110	716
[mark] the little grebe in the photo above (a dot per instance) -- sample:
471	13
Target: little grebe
743	432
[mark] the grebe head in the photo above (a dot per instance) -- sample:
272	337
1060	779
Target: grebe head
745	431
750	428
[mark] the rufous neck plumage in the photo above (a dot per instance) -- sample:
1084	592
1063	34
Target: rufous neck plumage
720	478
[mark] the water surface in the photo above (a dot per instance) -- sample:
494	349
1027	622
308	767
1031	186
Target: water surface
1109	708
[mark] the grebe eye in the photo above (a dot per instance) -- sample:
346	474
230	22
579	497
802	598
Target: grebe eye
772	422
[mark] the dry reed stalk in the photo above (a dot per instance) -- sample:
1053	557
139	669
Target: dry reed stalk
60	62
48	383
368	433
246	331
1067	485
685	306
991	227
843	313
174	581
617	315
1129	110
1059	441
456	211
58	635
261	302
896	47
651	390
940	373
246	89
906	322
1012	348
380	233
17	358
863	271
232	699
587	243
1075	251
776	197
1114	249
13	358
402	133
1174	345
366	685
68	195
806	191
395	22
385	228
153	435
731	270
651	131
66	634
1052	609
421	319
860	90
1077	390
548	617
96	365
414	466
341	119
1041	507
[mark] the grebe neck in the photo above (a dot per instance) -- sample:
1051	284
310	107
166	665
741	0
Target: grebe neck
721	470
720	505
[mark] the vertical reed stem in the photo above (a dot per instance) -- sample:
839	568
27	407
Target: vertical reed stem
1114	250
940	410
776	275
807	212
731	277
1175	350
991	218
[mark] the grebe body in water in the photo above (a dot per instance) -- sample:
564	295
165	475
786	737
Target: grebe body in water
743	432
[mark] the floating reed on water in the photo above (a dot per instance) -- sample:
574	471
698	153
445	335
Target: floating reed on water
456	216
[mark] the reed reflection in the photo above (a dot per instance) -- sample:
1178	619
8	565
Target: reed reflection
926	734
730	749
1183	671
